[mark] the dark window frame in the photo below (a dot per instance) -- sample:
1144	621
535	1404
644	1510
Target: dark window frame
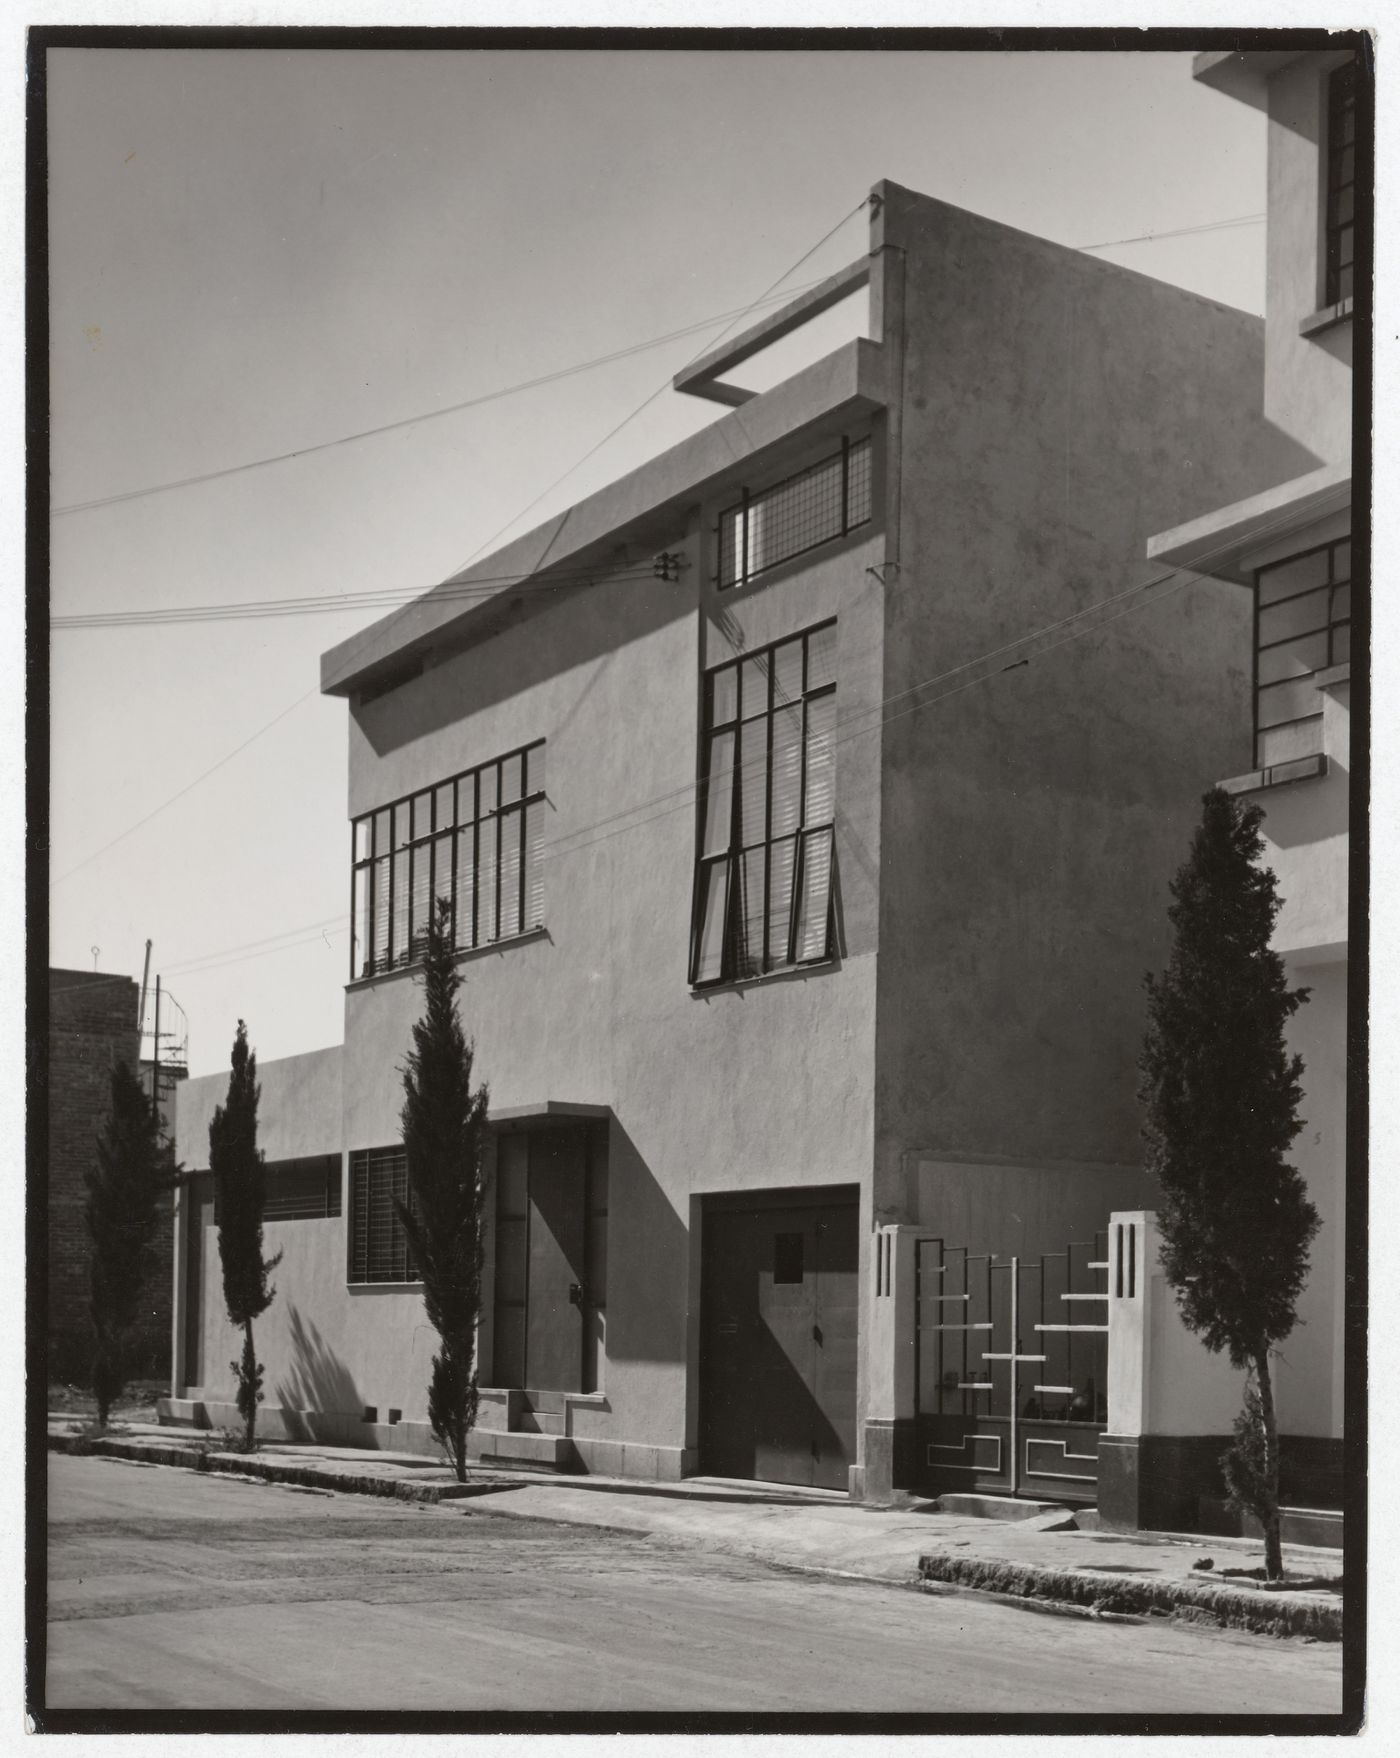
422	829
1339	580
1339	229
378	1254
316	1179
853	467
738	962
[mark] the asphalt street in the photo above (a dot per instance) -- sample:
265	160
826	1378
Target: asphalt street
170	1590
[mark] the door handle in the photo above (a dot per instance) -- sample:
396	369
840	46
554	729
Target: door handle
816	1333
575	1293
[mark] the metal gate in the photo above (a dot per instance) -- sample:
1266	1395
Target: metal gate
1011	1370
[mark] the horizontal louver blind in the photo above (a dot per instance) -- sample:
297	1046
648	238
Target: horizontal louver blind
474	842
765	878
378	1245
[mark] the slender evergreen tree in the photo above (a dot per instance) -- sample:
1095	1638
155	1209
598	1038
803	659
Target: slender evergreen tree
444	1133
123	1216
240	1193
1221	1096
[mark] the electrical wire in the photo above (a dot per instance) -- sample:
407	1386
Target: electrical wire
665	385
1179	232
189	787
120	497
1068	628
753	305
345	439
256	609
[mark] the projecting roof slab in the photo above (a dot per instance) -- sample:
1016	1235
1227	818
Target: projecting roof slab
1216	542
846	383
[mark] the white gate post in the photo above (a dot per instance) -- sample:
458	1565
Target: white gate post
1171	1403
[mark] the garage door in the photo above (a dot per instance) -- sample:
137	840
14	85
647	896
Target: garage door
778	1341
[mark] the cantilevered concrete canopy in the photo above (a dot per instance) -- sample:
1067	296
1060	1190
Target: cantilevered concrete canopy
846	383
1215	543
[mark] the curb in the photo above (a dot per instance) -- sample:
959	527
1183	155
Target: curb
268	1471
1087	1594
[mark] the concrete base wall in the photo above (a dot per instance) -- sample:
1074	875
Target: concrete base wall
1174	1483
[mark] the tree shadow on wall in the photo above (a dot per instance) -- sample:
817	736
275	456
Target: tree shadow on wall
318	1384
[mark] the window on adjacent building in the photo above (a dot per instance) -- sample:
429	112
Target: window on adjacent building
766	857
1302	626
814	507
379	1249
1341	183
473	840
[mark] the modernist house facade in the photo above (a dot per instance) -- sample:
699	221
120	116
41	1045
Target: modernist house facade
1287	556
805	802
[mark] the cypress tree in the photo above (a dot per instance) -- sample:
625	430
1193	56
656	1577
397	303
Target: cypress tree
123	1215
240	1193
444	1133
1221	1096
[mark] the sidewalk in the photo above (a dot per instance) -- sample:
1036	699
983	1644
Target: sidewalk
1044	1560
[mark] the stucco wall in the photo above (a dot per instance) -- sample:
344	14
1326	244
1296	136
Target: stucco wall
1055	411
756	1087
324	1347
1307	378
298	1113
1311	1381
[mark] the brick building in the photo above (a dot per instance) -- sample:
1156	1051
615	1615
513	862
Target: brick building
93	1024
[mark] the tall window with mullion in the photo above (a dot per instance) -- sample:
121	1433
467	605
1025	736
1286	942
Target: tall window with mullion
473	840
764	892
1302	626
1341	184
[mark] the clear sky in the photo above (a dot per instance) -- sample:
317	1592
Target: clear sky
254	251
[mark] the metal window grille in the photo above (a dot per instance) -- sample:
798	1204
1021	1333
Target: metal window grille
473	839
1341	184
765	865
303	1190
1302	625
817	506
379	1250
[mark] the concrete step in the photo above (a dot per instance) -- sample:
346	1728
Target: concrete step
543	1403
551	1452
538	1422
980	1507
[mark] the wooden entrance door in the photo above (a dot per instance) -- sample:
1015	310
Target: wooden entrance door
778	1342
554	1303
542	1182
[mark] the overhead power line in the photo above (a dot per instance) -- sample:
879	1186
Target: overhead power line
711	342
372	598
189	787
346	439
1178	232
267	727
993	661
436	414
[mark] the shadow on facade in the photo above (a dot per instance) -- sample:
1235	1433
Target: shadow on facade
318	1384
647	1305
589	624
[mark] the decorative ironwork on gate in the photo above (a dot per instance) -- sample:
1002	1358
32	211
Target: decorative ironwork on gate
1011	1370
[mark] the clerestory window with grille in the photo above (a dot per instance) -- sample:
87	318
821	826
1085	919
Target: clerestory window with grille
473	840
1341	184
765	867
817	506
378	1245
